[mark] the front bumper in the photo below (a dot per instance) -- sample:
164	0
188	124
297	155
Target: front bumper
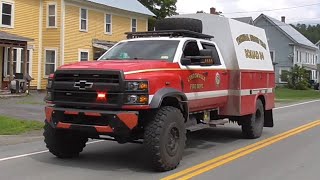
96	122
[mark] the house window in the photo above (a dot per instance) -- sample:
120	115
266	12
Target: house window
272	54
7	14
28	61
83	19
15	59
297	56
312	58
18	59
300	57
51	59
284	72
83	55
52	13
133	25
108	28
313	73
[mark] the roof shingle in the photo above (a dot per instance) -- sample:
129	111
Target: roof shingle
128	5
13	37
290	32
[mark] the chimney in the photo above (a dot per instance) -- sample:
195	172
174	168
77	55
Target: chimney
283	19
213	10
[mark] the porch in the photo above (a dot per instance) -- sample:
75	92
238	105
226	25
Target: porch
14	58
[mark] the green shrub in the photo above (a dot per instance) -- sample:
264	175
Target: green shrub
297	78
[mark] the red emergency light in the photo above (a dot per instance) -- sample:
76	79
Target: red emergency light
101	96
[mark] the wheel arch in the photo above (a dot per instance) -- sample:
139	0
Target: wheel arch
171	97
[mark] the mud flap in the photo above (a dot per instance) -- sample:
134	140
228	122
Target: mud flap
268	118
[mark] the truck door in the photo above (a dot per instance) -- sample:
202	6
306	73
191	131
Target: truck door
203	84
218	76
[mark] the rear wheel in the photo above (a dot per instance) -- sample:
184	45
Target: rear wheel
63	144
252	125
165	138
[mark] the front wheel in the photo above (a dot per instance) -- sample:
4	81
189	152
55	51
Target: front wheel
252	125
165	137
63	144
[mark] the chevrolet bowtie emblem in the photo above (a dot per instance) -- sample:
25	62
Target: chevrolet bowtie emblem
83	85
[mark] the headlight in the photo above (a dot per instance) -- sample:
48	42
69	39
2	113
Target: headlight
137	86
137	99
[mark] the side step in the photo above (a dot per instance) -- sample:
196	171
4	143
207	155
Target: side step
203	124
215	123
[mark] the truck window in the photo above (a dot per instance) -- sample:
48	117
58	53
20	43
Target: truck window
191	49
216	57
143	50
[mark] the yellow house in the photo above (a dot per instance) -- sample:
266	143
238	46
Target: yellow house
63	31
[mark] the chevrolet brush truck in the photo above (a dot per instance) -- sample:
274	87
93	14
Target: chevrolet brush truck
155	86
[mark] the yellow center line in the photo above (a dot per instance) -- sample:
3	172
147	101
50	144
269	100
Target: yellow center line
221	160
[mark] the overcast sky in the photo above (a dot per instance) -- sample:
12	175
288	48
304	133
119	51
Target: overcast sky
310	14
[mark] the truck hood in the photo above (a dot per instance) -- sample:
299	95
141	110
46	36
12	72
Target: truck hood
125	66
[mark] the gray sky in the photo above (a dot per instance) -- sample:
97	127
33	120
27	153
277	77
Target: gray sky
309	14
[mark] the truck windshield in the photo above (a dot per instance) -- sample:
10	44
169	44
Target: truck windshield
143	50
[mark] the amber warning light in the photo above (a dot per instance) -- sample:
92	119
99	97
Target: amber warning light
102	96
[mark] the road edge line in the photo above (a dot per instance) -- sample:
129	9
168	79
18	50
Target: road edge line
38	152
298	104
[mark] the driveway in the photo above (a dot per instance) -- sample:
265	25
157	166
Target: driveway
27	108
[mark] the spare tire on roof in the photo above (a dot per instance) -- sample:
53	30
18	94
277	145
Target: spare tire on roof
179	24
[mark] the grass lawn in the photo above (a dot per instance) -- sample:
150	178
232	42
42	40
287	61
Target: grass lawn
284	94
12	126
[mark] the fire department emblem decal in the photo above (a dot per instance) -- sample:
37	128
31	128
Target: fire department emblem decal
218	79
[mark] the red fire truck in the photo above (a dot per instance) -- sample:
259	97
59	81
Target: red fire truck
154	86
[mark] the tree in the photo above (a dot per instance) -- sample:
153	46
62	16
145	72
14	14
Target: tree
198	12
297	78
312	32
161	8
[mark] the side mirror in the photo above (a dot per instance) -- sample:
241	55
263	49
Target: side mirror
204	59
186	61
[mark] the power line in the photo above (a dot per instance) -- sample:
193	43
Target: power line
278	9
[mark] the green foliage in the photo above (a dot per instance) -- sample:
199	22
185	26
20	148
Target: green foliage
297	78
312	32
12	126
288	95
161	8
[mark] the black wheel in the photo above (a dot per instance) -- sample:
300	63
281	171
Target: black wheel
179	24
252	125
165	138
63	144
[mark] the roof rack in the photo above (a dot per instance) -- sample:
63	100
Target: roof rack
168	33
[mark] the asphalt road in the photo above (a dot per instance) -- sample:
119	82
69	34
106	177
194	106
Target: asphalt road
295	156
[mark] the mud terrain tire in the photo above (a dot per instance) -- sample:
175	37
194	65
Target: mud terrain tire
165	138
63	144
179	24
252	125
